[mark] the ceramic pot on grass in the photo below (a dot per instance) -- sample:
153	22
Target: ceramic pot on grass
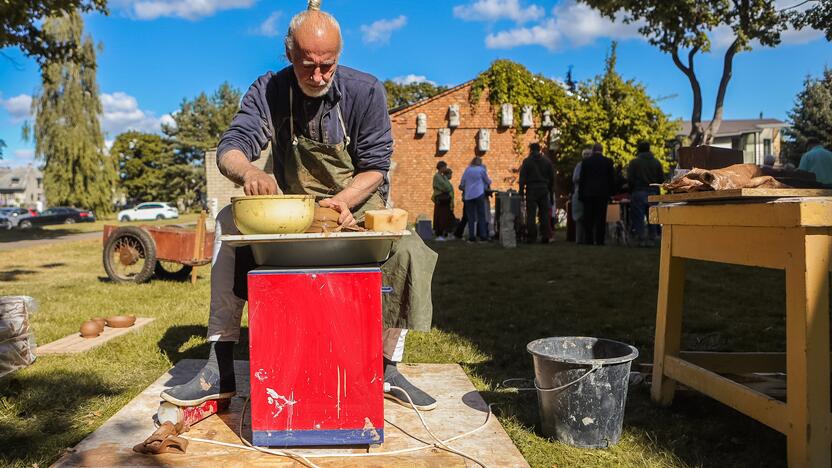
100	321
89	329
121	321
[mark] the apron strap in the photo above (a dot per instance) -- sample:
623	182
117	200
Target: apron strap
292	121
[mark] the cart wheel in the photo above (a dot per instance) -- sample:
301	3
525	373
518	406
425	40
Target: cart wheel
172	270
129	255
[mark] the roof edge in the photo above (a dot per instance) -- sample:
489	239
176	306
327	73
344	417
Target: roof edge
399	110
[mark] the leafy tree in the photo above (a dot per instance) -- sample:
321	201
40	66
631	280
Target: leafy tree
2	146
144	163
199	123
682	27
811	116
21	26
399	95
817	16
66	130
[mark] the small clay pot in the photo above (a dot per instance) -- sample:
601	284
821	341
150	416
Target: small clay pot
100	321
121	321
89	329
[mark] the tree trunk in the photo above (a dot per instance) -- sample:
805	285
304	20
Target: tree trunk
727	68
696	134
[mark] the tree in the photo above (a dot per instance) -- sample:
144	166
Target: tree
683	27
21	26
198	126
817	16
66	130
2	146
811	116
619	114
399	95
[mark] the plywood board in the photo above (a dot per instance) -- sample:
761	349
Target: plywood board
739	194
460	409
75	343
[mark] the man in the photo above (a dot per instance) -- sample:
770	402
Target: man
474	184
817	160
537	183
331	137
596	186
643	171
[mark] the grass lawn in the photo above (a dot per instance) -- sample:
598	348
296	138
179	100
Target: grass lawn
489	303
59	230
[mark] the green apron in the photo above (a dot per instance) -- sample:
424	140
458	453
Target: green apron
323	170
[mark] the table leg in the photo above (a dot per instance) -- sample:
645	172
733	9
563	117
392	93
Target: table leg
807	349
668	318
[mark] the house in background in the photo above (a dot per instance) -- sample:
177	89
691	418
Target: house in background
22	187
756	138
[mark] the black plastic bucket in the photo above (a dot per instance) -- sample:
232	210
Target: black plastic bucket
582	388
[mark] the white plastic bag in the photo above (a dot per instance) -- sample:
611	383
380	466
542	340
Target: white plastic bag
17	340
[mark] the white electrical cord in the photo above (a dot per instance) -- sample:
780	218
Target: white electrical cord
304	458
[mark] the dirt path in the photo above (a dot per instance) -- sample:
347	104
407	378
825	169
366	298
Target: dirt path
22	244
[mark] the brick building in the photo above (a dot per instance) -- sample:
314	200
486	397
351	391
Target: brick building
415	155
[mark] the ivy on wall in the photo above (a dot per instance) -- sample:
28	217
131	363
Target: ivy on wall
606	109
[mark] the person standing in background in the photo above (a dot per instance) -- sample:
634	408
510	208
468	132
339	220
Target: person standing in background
537	180
817	160
473	184
596	186
577	205
644	171
443	202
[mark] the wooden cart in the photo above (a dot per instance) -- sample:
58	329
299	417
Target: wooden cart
134	254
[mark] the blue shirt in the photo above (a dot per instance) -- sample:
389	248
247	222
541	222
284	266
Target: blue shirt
818	160
263	118
474	182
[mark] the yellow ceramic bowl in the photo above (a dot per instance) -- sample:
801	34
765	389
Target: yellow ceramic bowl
273	214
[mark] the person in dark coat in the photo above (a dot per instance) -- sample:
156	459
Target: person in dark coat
537	180
596	186
643	172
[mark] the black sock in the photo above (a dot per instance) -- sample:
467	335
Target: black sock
221	358
389	367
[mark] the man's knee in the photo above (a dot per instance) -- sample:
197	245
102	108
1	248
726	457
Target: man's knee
225	221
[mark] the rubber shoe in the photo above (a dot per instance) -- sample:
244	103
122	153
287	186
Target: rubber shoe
421	400
206	385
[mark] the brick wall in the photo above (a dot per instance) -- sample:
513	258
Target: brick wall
415	156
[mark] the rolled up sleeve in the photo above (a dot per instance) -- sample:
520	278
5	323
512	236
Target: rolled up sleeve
374	145
251	129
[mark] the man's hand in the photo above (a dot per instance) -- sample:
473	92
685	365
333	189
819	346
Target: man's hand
257	182
346	218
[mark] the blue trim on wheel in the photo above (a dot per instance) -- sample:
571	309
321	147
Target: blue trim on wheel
318	437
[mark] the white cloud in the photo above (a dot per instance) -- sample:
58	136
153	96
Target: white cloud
571	24
26	153
19	107
268	27
187	9
381	30
122	113
494	10
411	78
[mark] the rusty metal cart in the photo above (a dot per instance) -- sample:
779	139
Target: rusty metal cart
134	254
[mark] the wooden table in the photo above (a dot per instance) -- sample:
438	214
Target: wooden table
790	234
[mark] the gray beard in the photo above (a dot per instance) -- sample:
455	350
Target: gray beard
315	93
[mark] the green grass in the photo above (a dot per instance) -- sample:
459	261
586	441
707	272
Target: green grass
59	230
489	303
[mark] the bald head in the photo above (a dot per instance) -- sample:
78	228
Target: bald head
313	45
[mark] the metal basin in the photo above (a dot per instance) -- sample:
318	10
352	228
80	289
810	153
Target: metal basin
273	214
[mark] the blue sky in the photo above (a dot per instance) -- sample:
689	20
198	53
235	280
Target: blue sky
157	52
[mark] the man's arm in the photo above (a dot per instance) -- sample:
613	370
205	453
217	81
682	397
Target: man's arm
362	186
249	132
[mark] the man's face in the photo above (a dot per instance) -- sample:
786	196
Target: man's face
314	60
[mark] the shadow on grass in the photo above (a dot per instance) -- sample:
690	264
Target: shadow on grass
498	301
45	406
12	275
16	235
177	336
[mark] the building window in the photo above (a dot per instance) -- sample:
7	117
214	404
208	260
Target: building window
15	180
736	143
767	146
40	181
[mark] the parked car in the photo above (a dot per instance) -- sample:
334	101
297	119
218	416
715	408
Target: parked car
5	223
58	215
147	211
14	216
